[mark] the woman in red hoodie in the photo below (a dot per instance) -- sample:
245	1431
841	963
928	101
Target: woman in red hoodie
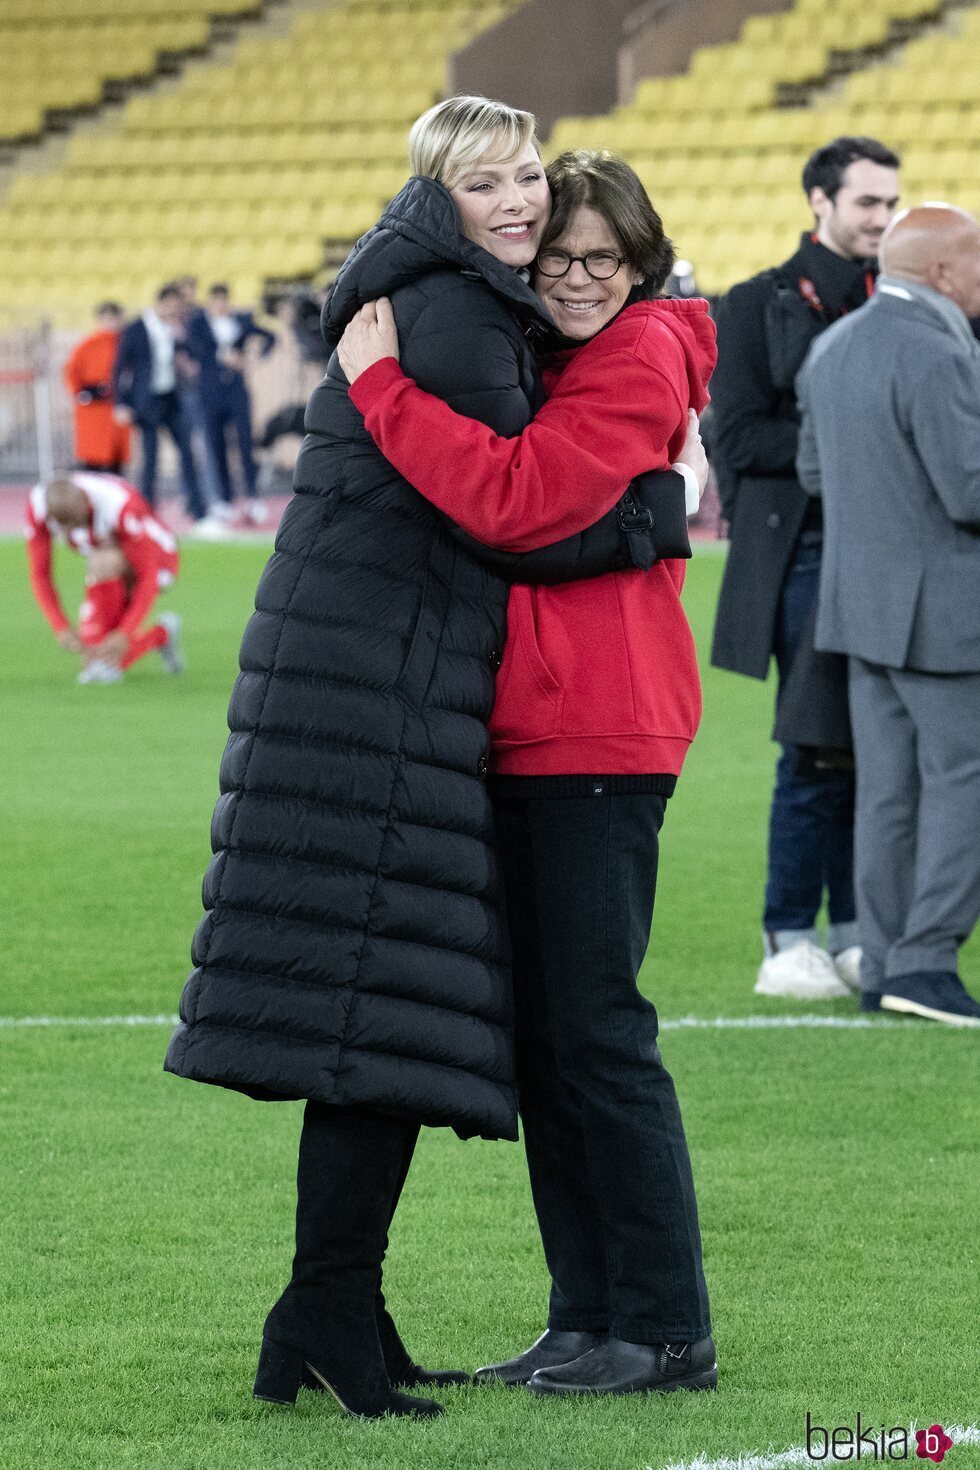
597	701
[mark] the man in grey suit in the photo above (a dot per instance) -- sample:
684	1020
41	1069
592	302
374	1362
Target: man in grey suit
891	440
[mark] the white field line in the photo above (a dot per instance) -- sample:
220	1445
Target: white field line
766	1023
797	1455
681	1023
16	1022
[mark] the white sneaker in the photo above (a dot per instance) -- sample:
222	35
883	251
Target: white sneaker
848	966
803	972
210	528
98	672
171	652
255	512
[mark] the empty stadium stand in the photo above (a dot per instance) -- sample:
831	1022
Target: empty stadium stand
244	167
721	154
254	162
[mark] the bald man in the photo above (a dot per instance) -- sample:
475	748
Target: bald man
130	558
891	440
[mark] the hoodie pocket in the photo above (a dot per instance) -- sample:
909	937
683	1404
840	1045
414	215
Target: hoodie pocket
529	696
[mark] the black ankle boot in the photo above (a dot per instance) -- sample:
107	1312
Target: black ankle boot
323	1331
552	1348
402	1371
339	1354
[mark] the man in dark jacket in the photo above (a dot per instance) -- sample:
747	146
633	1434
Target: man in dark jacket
765	328
146	384
217	337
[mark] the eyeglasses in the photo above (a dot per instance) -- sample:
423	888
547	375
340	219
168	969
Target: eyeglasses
601	265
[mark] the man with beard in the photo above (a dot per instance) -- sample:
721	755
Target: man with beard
765	328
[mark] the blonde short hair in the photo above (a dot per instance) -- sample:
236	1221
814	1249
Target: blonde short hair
451	137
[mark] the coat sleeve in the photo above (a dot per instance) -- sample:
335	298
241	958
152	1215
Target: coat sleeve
251	328
573	462
748	435
604	547
945	422
807	458
75	370
124	369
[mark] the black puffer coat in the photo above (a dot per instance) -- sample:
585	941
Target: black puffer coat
354	949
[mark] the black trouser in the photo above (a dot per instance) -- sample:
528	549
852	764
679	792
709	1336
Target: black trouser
228	403
609	1166
168	413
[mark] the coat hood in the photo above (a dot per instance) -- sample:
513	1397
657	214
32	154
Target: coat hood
693	328
418	233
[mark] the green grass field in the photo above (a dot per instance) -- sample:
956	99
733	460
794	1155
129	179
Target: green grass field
145	1222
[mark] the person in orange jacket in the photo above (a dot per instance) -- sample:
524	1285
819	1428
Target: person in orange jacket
100	442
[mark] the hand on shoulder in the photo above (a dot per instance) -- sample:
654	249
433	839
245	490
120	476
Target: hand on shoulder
369	337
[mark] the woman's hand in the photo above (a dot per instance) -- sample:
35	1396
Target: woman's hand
693	454
369	337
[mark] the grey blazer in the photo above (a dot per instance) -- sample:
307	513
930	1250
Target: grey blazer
890	438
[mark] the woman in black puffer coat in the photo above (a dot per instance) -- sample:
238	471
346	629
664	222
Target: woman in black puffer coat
353	950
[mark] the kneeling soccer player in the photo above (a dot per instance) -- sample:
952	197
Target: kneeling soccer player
130	558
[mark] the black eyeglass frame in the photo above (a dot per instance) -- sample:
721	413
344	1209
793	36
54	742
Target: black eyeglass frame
582	260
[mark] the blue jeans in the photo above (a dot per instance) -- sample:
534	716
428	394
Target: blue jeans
811	824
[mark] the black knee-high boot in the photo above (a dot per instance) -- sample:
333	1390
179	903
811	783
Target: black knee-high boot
403	1371
323	1328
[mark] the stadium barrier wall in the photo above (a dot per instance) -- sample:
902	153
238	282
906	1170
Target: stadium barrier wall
661	37
555	57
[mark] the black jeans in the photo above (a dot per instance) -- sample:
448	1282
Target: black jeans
608	1160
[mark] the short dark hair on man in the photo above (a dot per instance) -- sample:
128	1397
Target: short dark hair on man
106	306
218	289
825	169
607	184
169	290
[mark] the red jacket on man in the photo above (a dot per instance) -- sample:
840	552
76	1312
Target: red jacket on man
99	440
599	676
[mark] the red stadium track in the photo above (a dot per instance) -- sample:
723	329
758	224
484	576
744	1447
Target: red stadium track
13	497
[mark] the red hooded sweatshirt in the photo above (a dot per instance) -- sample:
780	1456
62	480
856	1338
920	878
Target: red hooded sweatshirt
599	676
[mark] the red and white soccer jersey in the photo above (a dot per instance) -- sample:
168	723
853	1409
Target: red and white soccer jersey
118	516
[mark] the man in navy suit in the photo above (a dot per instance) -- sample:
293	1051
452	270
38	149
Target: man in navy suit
146	392
216	336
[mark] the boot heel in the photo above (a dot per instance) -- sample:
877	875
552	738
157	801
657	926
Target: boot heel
279	1374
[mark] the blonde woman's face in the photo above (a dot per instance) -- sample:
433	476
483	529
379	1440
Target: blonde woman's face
505	206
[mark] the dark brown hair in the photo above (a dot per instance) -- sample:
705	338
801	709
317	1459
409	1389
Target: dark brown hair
607	184
825	169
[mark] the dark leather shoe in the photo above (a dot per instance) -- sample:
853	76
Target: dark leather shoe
551	1349
936	995
632	1367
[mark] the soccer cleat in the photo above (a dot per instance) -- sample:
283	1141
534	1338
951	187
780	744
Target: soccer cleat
99	672
618	1367
801	972
171	652
847	963
935	995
